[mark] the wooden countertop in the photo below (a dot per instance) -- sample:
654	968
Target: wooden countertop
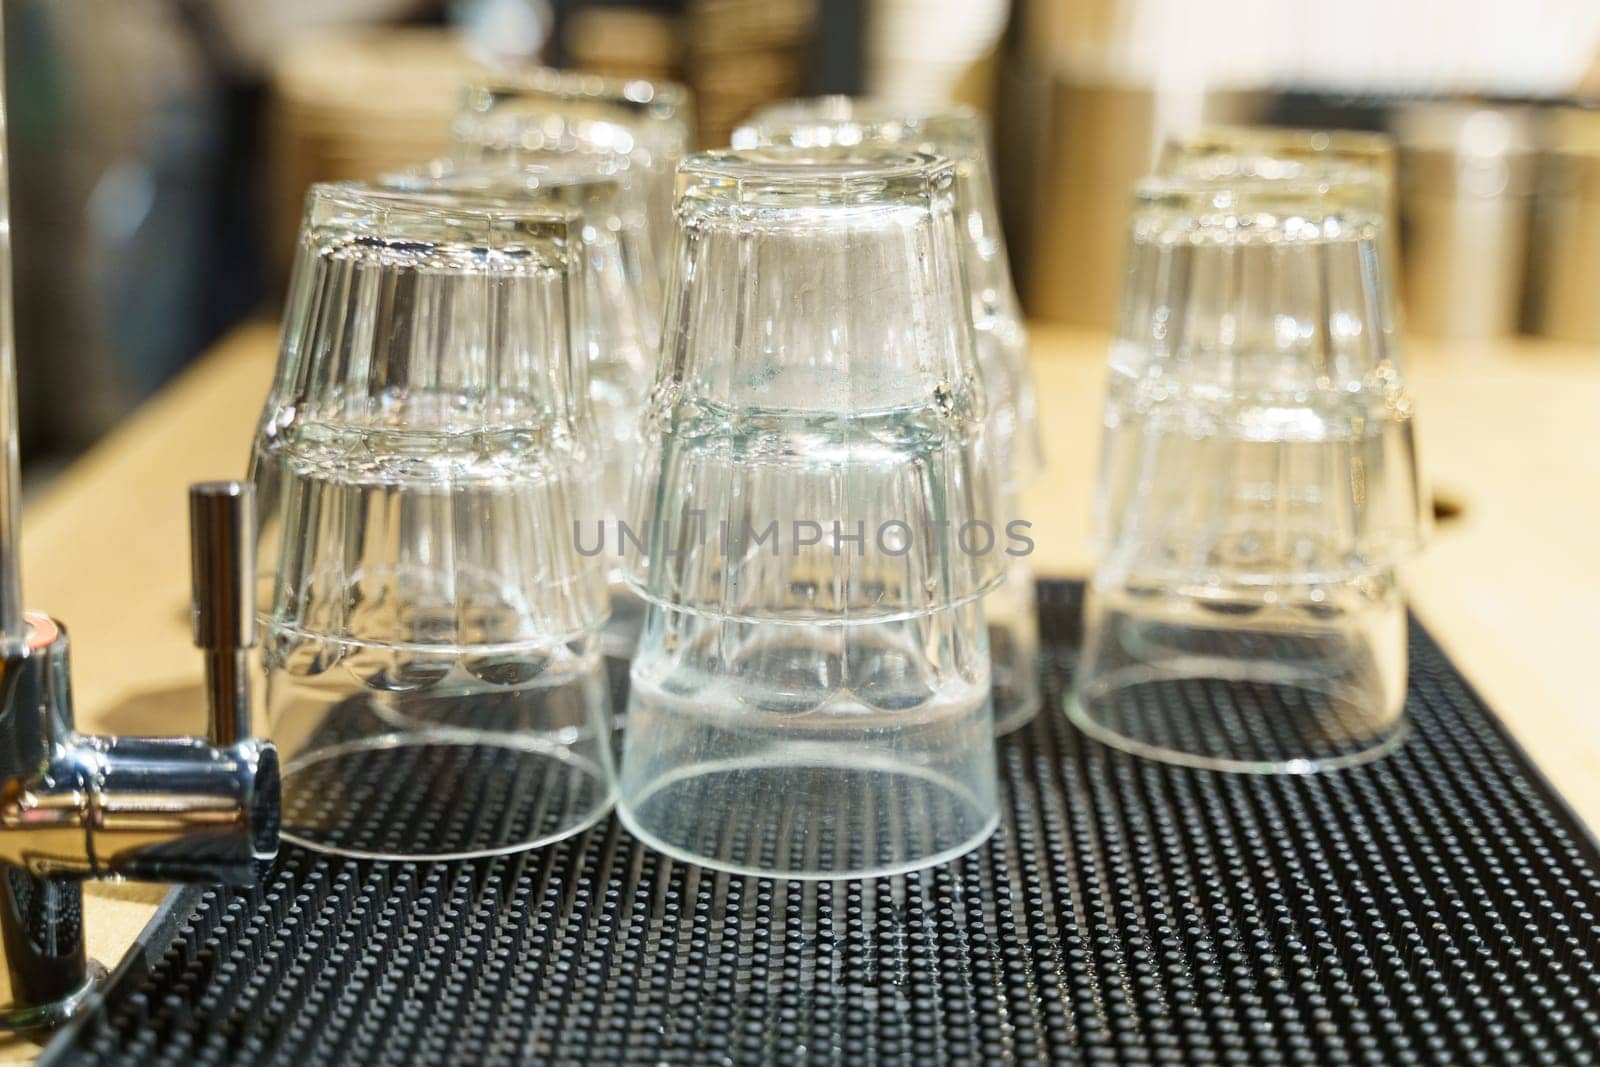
1510	436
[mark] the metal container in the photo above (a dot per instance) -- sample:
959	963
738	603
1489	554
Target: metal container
1565	263
1466	195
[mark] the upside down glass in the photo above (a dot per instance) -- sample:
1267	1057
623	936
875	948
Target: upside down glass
1226	154
961	136
529	116
811	695
620	330
1258	486
434	678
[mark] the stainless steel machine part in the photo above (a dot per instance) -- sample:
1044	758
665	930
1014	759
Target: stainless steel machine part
164	809
76	807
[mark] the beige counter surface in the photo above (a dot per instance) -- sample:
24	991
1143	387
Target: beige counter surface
1510	437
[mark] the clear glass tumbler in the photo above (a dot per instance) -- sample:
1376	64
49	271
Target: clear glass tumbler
811	696
1258	487
527	116
432	648
961	136
1226	154
621	330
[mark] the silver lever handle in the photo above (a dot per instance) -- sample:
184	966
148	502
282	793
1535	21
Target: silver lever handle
222	561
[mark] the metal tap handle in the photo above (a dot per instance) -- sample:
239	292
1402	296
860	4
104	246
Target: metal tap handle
163	809
222	558
176	808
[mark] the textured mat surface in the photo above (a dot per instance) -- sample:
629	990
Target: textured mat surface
1439	906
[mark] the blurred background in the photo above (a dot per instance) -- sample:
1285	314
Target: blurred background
161	148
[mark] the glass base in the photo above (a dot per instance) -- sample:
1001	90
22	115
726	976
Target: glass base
809	821
1013	710
1241	723
1013	619
441	795
1015	673
1287	677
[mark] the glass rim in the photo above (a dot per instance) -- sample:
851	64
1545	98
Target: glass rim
1251	166
442	217
1241	153
812	176
1325	208
509	181
661	99
1300	140
871	120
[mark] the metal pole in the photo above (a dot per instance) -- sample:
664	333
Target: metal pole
13	630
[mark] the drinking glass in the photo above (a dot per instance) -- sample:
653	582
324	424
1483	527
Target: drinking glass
960	135
1258	487
620	331
433	667
1227	154
811	695
527	116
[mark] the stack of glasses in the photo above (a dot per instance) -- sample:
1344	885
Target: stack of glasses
1259	483
791	441
432	649
621	331
811	695
1012	431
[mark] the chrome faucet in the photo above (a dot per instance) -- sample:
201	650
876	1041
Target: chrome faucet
75	807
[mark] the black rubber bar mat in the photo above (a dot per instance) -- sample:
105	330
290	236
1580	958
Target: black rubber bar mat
1438	906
